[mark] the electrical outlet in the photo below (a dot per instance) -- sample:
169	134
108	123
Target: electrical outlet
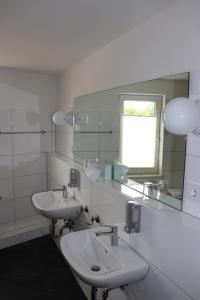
193	190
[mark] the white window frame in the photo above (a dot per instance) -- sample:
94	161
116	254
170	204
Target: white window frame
159	99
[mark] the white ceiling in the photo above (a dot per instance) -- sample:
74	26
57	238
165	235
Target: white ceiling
50	35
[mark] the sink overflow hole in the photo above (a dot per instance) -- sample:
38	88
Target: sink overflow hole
95	268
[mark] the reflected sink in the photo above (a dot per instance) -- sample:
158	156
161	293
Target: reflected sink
53	206
100	265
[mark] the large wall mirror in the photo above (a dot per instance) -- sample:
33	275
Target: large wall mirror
124	126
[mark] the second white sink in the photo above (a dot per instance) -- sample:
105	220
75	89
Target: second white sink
97	263
53	206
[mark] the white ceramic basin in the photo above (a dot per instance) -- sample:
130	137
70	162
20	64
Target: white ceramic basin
118	265
53	206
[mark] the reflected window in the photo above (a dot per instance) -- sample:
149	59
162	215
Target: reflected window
141	133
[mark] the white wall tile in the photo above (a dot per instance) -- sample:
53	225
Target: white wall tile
35	233
31	120
64	144
110	206
193	145
28	185
7	227
31	223
8	241
171	253
58	169
6	189
5	120
5	166
31	143
24	208
191	204
84	194
29	164
27	102
7	213
53	141
155	286
5	144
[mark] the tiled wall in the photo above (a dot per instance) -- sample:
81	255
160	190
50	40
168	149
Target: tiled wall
27	101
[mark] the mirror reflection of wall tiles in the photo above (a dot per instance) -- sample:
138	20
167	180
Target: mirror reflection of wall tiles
86	142
106	106
109	142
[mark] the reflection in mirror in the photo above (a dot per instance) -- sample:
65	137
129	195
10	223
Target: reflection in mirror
123	127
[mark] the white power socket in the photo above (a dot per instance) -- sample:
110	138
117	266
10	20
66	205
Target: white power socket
193	190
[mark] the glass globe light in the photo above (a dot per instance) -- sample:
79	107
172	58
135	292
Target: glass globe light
181	116
59	118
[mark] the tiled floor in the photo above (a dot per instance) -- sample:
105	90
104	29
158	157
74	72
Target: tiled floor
36	270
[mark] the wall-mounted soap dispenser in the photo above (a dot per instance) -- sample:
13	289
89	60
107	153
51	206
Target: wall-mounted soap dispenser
133	217
74	179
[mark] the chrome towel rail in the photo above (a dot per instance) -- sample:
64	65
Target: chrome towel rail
107	132
23	132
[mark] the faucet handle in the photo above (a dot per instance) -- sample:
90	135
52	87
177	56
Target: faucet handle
63	186
97	219
114	228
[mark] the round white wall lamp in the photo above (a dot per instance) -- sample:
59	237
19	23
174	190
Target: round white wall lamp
182	116
59	118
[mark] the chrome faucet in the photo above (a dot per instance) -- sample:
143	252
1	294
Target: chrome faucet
113	233
63	189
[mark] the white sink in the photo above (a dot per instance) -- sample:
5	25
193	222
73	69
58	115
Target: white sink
53	206
118	265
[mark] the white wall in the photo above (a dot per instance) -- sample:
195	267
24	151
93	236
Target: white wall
166	44
27	101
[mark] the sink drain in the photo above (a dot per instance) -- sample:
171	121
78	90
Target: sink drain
95	268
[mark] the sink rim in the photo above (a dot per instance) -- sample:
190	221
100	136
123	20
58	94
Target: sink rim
50	199
115	278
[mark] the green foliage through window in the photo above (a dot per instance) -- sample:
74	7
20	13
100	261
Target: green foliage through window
139	108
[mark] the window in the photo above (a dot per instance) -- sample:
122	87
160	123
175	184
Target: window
141	133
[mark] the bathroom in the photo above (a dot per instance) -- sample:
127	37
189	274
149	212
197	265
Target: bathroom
162	45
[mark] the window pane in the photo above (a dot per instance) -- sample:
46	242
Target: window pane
139	108
138	143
